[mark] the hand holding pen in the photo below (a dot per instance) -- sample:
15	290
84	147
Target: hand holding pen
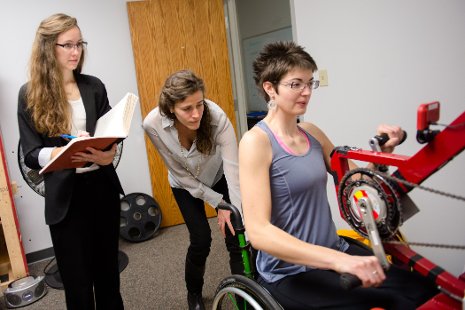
91	155
80	133
68	137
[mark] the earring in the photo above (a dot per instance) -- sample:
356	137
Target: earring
271	104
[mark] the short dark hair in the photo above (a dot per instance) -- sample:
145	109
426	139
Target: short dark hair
276	60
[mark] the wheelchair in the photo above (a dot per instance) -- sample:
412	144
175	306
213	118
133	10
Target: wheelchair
242	291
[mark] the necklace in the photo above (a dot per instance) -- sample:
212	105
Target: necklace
197	171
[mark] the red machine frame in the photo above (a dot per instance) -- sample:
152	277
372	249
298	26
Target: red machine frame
442	148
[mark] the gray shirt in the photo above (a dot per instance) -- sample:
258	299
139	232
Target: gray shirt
299	204
223	158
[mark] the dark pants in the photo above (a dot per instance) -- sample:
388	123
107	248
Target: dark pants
316	289
194	215
86	245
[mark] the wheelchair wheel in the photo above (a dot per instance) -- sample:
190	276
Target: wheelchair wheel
234	290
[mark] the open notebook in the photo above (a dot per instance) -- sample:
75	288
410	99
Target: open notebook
111	128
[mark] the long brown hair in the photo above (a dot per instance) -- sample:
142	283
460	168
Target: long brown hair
178	86
46	97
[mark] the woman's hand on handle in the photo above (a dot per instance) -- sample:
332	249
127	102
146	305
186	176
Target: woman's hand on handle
366	268
224	219
396	136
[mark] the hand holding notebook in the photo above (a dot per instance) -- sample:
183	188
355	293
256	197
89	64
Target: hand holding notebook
111	128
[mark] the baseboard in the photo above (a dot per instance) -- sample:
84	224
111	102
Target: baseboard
41	255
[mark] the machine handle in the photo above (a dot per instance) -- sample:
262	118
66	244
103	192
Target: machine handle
383	138
349	281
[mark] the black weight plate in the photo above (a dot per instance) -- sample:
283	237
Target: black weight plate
140	217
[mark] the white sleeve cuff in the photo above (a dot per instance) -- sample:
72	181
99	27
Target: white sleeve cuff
45	155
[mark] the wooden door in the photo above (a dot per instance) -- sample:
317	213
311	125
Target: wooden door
170	35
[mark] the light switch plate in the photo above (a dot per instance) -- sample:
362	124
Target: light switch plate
323	76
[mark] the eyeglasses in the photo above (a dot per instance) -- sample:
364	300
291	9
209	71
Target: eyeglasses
70	46
300	86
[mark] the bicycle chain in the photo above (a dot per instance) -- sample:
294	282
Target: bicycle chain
425	244
434	191
428	189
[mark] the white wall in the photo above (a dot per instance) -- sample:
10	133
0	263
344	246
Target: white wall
384	58
104	24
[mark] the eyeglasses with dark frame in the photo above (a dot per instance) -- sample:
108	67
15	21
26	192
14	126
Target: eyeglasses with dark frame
300	86
71	46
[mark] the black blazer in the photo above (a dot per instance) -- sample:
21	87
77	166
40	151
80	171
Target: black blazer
59	185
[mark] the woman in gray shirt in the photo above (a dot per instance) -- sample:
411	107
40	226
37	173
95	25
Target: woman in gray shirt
283	177
198	145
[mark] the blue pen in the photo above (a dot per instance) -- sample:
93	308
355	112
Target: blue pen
67	136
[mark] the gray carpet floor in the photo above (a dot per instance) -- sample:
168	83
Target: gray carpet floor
154	277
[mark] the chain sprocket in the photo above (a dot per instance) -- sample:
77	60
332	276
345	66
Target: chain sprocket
390	219
384	198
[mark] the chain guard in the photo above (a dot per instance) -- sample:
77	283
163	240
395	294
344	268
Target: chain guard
385	201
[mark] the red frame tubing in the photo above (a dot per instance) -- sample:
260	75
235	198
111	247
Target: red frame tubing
438	152
415	169
426	268
441	302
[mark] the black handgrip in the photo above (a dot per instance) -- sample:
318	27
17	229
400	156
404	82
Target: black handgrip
383	138
349	281
236	218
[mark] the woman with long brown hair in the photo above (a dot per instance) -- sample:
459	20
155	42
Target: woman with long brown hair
81	205
198	145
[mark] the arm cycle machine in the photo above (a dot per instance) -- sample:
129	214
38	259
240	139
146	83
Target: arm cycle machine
375	202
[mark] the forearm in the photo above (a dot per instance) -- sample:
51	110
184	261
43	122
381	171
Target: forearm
292	250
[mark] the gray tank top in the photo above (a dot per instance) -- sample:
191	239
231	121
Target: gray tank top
299	204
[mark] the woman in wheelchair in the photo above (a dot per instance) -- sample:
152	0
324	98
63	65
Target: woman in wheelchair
283	169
